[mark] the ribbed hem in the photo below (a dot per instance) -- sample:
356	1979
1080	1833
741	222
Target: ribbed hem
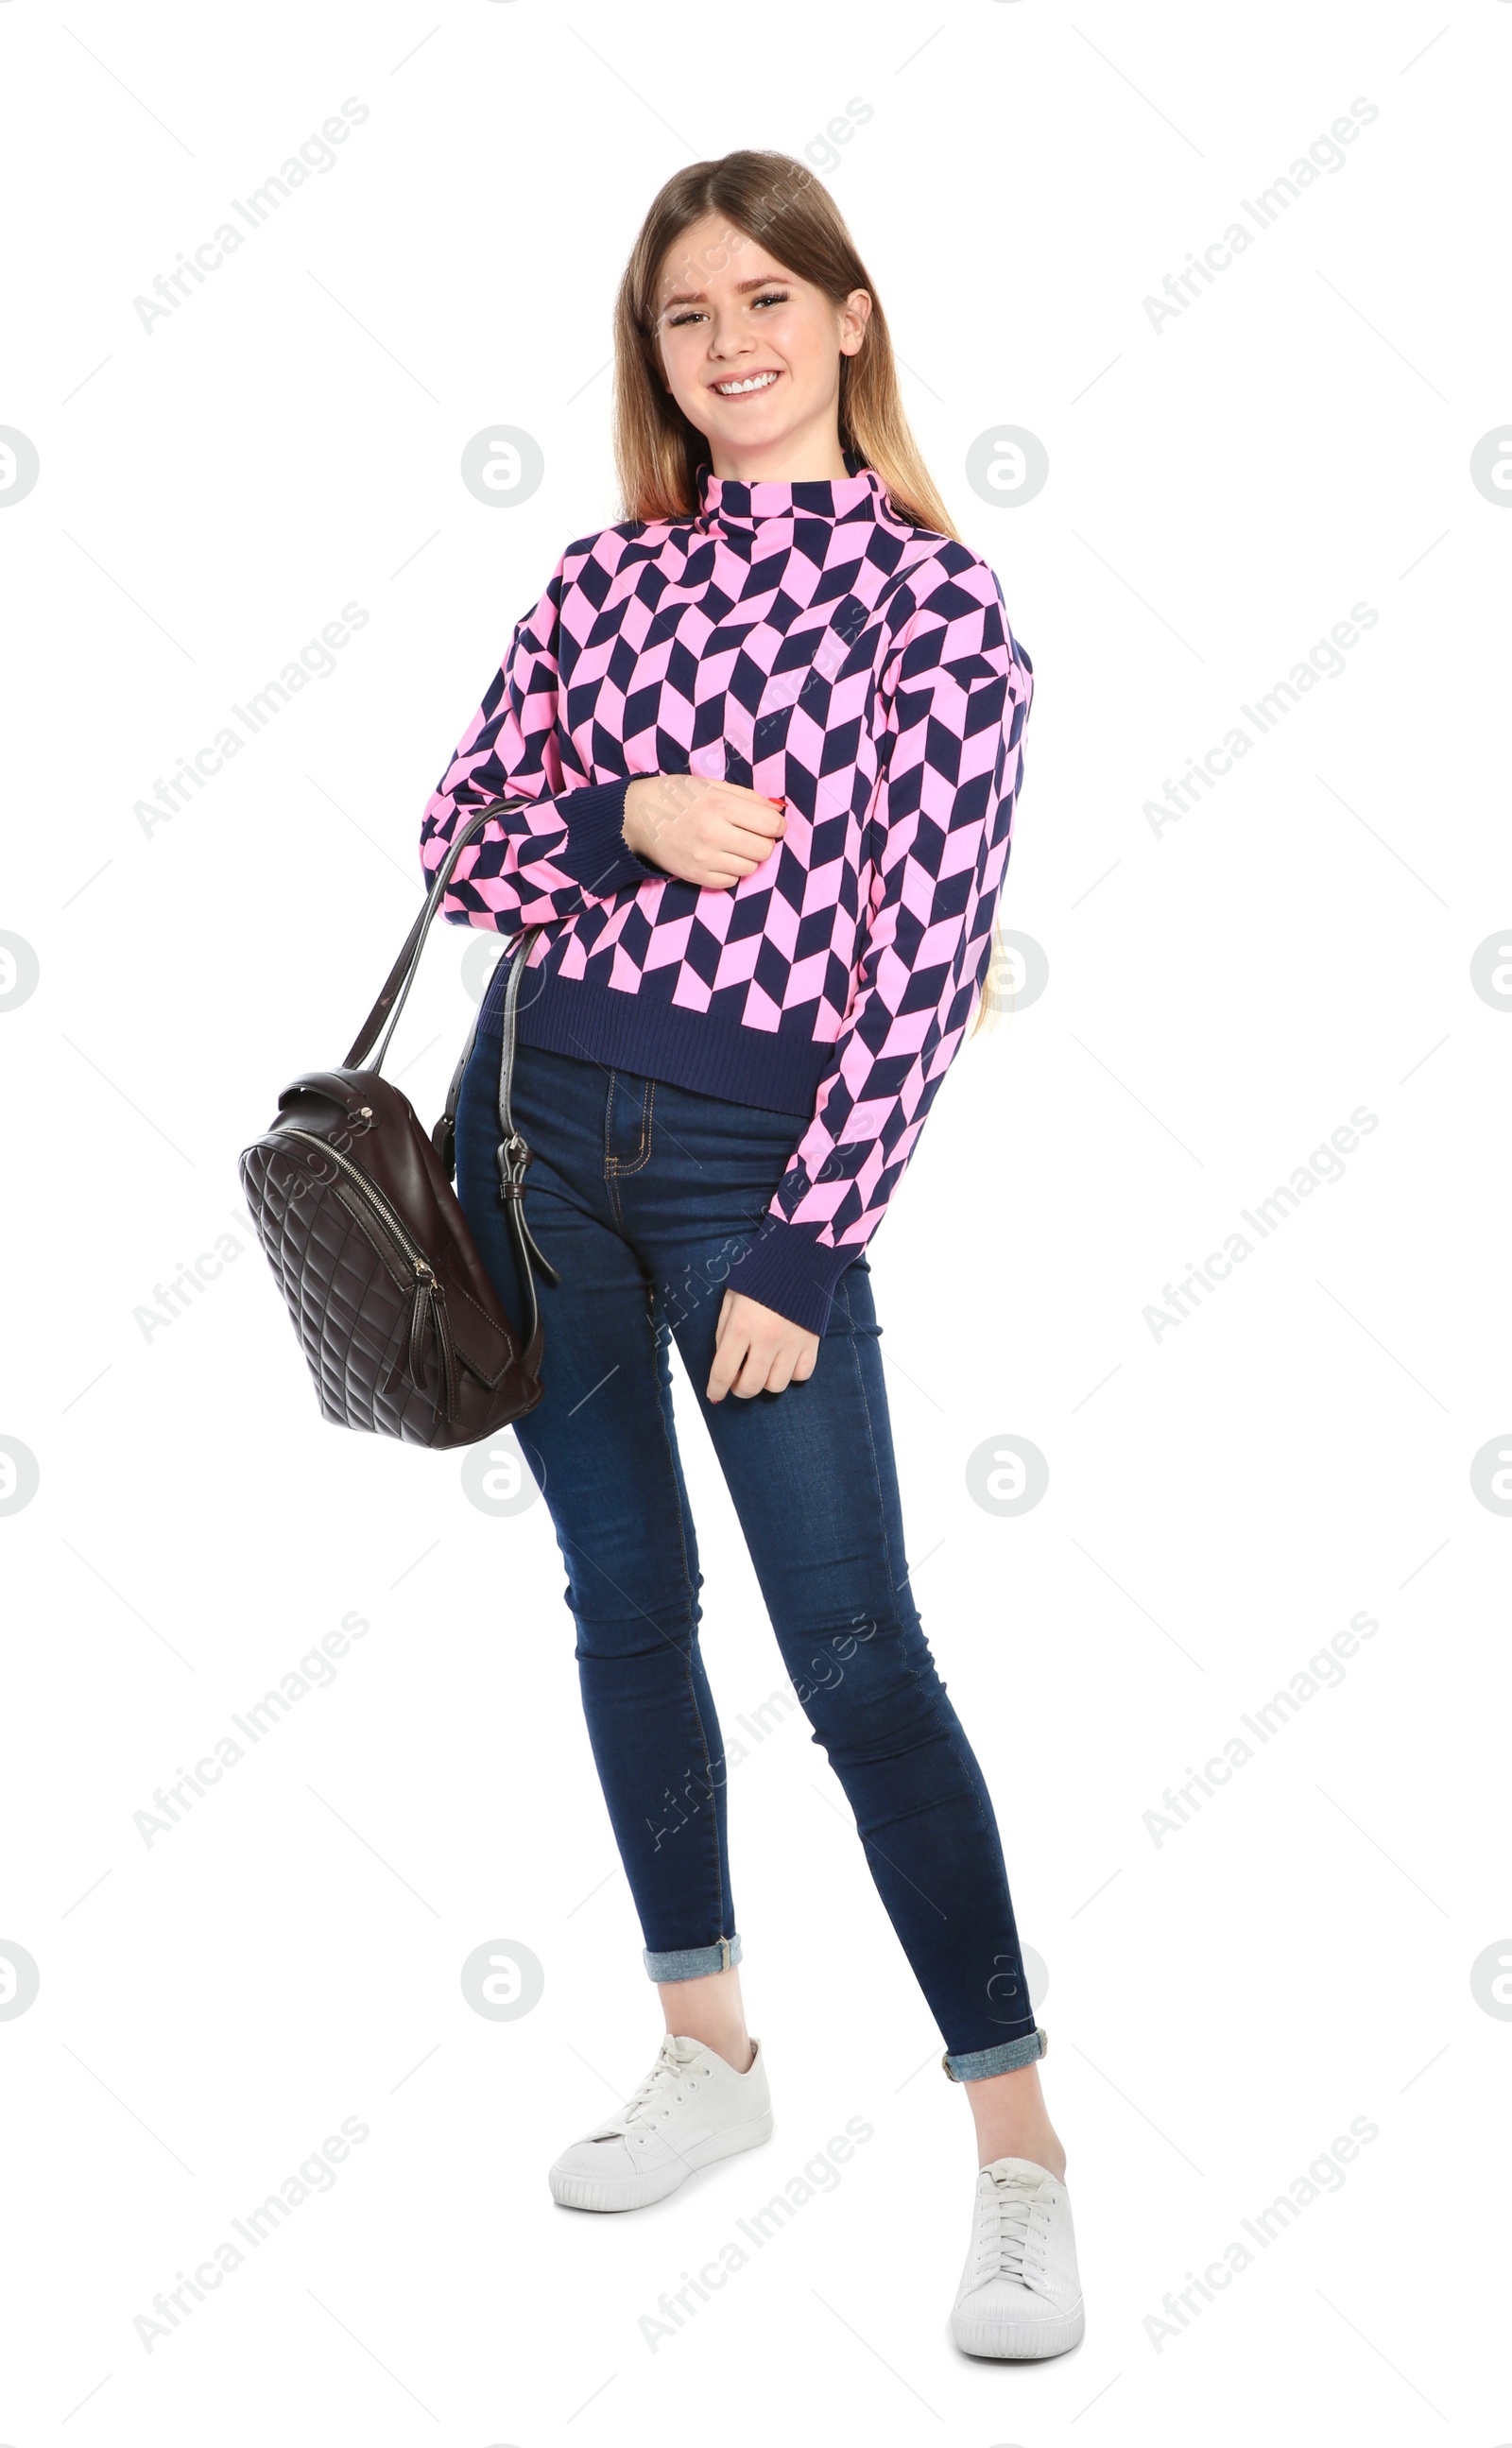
596	853
693	1962
663	1041
979	2064
785	1267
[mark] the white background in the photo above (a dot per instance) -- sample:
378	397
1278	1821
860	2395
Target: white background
1221	996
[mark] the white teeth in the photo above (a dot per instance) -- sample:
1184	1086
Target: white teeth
753	382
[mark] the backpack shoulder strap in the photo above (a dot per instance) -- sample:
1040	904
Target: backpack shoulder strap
396	986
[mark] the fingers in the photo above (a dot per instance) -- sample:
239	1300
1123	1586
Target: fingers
779	1376
753	813
764	816
757	1351
710	833
738	1369
727	858
732	1354
733	850
727	1359
760	801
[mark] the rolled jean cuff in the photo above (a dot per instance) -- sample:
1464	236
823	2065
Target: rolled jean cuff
980	2063
693	1962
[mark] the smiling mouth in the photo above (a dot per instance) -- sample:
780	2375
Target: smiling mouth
745	386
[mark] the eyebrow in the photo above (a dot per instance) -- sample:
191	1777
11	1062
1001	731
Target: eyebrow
699	297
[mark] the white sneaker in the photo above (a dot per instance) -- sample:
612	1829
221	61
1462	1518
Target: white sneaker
1020	2294
692	2108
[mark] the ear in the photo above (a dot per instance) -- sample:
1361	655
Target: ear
857	310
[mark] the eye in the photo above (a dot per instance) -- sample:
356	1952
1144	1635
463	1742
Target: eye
691	314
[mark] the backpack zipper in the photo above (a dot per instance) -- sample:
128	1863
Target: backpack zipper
429	1299
421	1264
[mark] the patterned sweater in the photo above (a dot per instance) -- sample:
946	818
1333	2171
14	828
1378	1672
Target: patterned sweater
803	640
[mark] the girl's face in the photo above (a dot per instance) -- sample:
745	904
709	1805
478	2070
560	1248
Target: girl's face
751	355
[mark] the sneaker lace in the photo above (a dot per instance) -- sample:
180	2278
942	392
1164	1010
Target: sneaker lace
649	2102
1005	2247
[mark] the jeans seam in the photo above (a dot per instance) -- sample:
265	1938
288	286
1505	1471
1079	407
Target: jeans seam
842	1293
615	1166
692	1632
967	1781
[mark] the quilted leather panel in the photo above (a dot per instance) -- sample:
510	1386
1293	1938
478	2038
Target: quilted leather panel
351	1295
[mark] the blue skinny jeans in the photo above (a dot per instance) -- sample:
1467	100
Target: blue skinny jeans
642	1193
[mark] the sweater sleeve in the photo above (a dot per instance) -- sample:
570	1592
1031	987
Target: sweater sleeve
956	689
567	846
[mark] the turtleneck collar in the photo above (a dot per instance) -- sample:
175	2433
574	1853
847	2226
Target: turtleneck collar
726	503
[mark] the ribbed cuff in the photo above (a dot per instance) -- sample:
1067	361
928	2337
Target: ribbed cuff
787	1269
596	853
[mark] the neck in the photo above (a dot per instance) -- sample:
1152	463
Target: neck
804	456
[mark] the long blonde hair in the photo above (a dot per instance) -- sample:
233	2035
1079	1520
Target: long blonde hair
776	202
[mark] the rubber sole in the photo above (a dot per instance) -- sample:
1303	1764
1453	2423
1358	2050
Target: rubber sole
1020	2341
636	2192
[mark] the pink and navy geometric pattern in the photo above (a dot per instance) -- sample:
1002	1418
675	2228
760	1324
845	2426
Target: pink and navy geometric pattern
803	640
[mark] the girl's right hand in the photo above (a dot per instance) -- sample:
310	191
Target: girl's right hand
709	833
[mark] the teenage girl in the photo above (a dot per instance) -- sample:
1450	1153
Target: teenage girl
766	732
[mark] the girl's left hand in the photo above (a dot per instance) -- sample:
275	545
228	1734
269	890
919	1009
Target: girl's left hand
757	1351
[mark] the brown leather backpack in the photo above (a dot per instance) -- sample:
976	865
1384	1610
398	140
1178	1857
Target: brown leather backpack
401	1326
